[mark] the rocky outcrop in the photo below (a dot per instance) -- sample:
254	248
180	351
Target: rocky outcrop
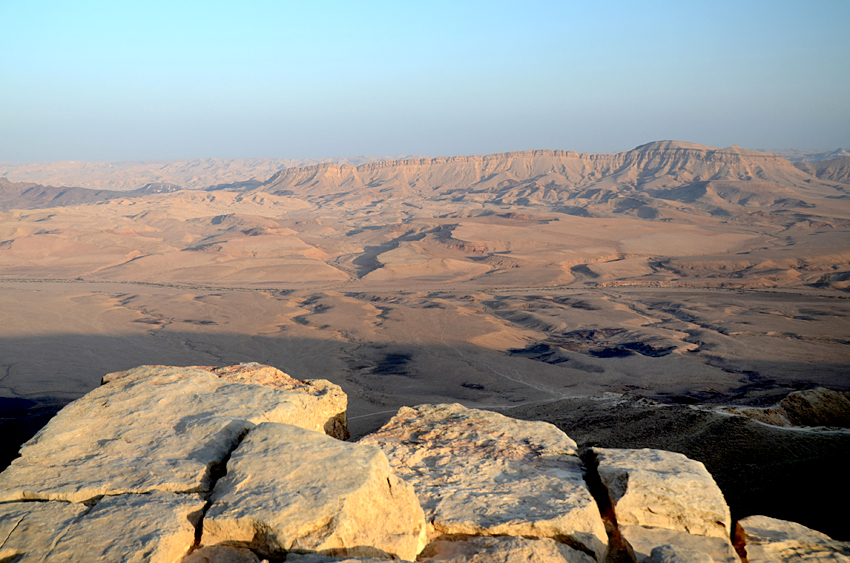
27	529
226	465
292	489
660	498
663	490
643	541
480	473
323	403
159	527
686	162
152	428
812	407
771	540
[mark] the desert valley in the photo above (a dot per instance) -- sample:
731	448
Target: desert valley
648	291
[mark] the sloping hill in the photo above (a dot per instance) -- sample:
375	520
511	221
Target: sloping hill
35	196
835	170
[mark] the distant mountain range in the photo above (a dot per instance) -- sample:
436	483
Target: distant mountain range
189	174
252	172
649	182
797	155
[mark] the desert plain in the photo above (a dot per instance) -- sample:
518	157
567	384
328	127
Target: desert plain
524	282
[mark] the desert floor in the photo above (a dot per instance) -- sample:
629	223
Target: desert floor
511	287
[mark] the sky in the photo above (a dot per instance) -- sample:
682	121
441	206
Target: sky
111	81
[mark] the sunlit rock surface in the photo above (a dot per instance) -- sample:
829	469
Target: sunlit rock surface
233	465
663	490
480	473
811	407
29	528
154	428
661	499
288	488
644	541
772	540
157	527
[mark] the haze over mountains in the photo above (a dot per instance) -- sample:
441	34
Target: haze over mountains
132	175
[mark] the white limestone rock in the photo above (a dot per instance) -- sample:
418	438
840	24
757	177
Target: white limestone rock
28	529
155	528
323	403
779	541
504	549
663	490
153	428
684	546
480	473
288	488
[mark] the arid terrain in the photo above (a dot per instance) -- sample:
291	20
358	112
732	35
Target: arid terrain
675	272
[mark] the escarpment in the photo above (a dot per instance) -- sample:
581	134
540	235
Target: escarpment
244	463
648	164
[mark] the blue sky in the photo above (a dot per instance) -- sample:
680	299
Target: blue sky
142	80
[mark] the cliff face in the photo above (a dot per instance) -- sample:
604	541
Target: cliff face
684	162
202	464
644	181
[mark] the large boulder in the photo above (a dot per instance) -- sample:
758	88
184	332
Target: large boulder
769	540
157	428
288	489
156	528
481	473
663	490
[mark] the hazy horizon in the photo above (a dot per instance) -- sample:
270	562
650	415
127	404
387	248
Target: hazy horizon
153	81
387	157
